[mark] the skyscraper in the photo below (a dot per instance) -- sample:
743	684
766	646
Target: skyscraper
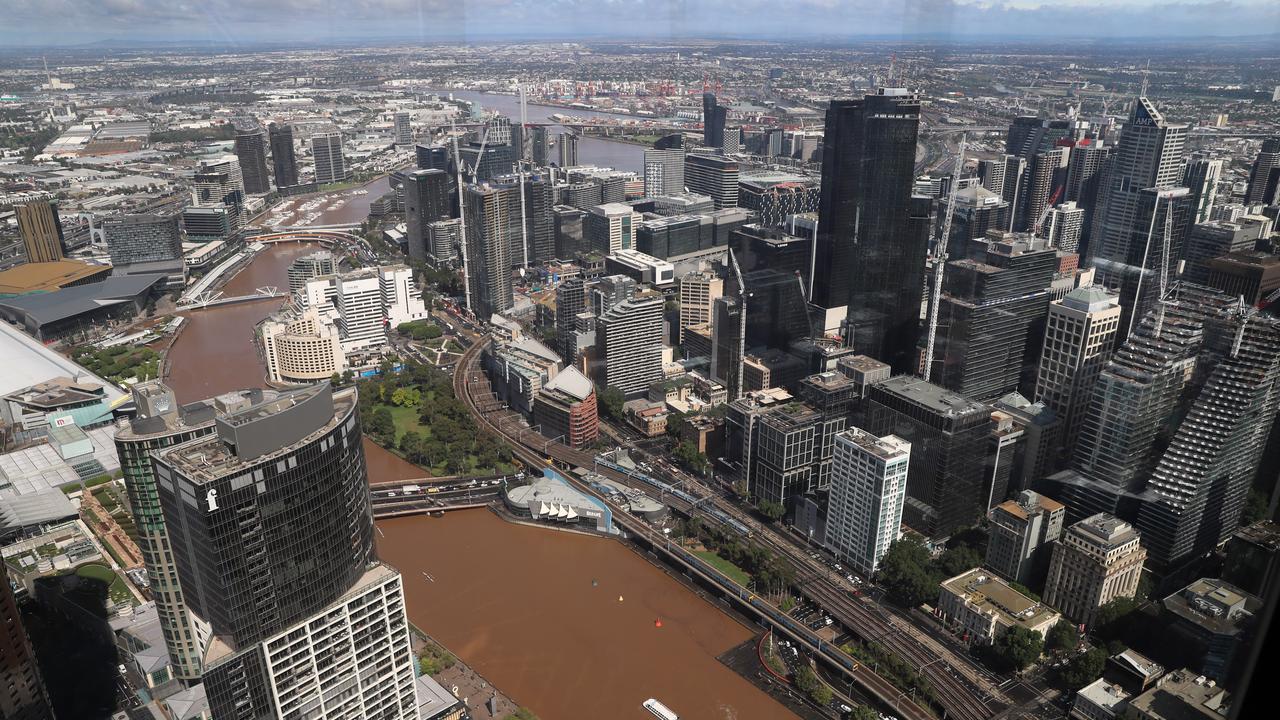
1148	164
991	175
540	145
713	119
1063	226
432	157
1097	560
1078	339
22	692
571	299
272	534
568	149
630	339
663	172
326	149
698	293
1197	490
988	310
948	436
426	200
868	488
540	201
714	176
41	231
867	257
1262	183
404	131
251	151
161	422
1202	178
493	216
284	162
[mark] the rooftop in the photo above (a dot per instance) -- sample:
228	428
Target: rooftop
57	392
1183	695
1104	693
933	398
28	362
1105	529
40	467
1264	533
571	381
1090	299
887	448
990	594
1215	605
46	276
69	302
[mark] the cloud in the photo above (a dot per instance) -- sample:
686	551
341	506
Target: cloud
55	21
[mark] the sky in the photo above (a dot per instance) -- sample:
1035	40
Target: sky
244	22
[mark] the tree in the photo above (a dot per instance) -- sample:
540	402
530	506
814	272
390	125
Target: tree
1109	618
1085	668
611	401
808	683
523	713
1255	507
956	560
406	397
382	426
864	712
686	453
1016	648
1062	637
905	573
772	510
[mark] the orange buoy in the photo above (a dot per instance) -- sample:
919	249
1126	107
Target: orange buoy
657	623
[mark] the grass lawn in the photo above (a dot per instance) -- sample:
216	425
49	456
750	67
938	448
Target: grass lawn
733	572
406	420
117	590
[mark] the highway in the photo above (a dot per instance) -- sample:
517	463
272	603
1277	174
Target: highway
957	683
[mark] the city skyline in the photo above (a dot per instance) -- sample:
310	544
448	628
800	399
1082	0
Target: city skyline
234	24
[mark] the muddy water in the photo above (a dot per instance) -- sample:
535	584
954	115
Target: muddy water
215	352
517	603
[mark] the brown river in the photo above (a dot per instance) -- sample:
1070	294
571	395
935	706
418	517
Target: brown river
516	603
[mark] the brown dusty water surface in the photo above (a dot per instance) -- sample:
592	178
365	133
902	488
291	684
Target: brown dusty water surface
517	603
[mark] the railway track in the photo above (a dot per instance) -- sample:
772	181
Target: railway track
958	695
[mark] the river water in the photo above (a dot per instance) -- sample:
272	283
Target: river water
514	602
591	150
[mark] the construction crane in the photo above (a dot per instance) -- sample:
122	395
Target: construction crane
1048	206
940	260
1266	301
524	220
458	167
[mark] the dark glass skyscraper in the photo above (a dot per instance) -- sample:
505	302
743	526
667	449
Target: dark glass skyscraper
426	200
283	161
713	120
869	256
272	532
251	151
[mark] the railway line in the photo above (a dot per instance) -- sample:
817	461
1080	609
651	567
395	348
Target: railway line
955	682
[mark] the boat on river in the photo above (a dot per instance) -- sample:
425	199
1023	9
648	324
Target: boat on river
659	710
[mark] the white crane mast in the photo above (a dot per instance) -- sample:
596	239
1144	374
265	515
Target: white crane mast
524	219
462	206
940	259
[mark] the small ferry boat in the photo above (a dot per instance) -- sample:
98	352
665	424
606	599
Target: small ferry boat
660	711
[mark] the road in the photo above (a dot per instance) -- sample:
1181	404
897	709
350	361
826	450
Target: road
959	685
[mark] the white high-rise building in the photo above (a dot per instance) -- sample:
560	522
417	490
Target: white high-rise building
303	348
868	489
1078	339
1063	225
366	303
401	298
326	149
629	335
663	172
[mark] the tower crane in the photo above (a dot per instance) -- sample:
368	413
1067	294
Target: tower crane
940	259
524	220
1048	206
458	167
